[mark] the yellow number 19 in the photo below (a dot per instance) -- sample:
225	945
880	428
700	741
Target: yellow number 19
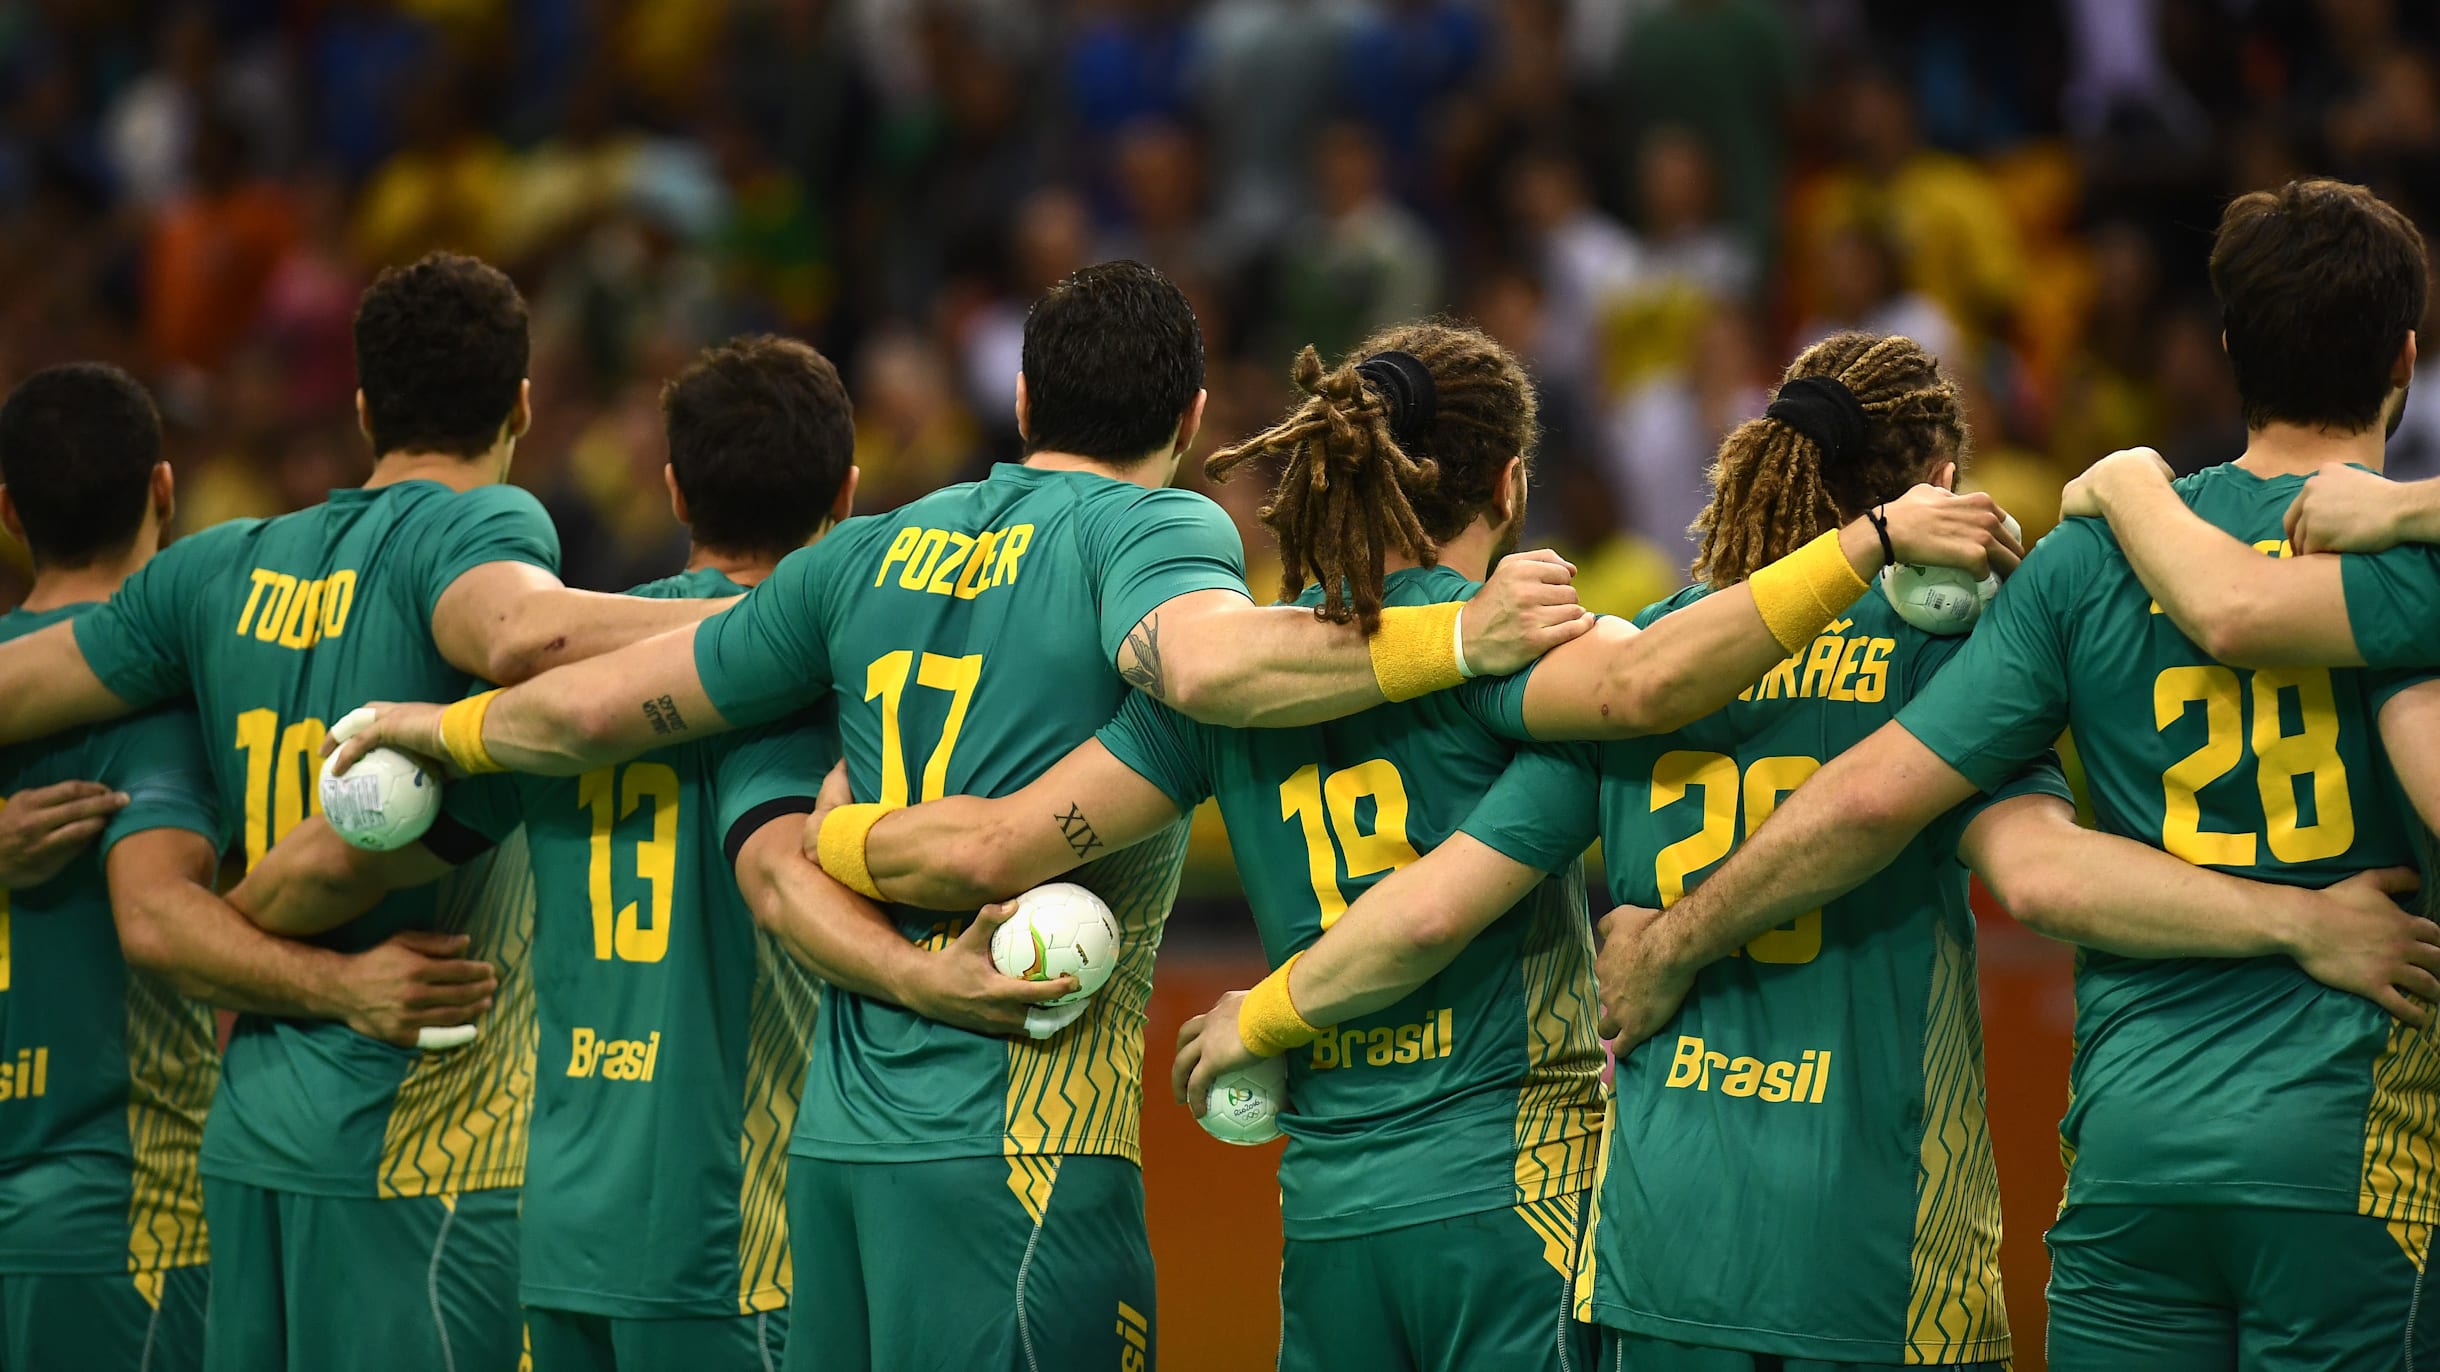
1305	797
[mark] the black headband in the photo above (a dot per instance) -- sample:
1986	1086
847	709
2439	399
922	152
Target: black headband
1824	410
1406	386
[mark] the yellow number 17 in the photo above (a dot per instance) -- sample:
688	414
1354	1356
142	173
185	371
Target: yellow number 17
886	680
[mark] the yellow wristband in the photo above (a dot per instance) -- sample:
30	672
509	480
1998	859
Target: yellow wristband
1415	651
1801	593
462	734
841	846
1267	1018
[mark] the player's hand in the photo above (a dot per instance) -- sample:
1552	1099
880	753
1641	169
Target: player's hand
2088	496
2354	938
1527	608
834	794
1933	526
1209	1046
43	829
413	981
1640	992
410	727
2345	509
961	986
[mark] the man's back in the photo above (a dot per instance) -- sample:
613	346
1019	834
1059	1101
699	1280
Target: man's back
2276	775
107	1069
970	639
279	627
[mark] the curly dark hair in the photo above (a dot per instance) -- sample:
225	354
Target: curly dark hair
1771	493
78	444
1348	494
761	434
1113	358
440	354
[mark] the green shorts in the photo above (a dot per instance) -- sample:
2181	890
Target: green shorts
340	1284
1625	1352
111	1323
572	1341
2211	1288
981	1264
1477	1291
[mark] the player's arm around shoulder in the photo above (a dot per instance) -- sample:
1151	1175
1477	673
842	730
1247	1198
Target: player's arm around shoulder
46	685
313	881
512	621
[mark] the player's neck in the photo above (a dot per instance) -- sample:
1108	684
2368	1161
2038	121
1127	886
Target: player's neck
2295	450
449	469
1468	554
95	581
746	569
1150	471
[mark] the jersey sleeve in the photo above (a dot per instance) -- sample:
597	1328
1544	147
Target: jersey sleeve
136	641
768	772
765	658
2393	604
1545	810
2041	777
158	759
1153	549
2001	701
486	524
479	811
1161	746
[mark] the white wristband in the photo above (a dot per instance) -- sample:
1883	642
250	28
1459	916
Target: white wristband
1457	645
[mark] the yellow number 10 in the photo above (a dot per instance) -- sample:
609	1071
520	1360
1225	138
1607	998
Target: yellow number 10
886	680
1306	796
283	777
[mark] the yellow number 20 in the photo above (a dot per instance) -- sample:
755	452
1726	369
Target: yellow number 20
1763	784
1307	797
623	934
2279	760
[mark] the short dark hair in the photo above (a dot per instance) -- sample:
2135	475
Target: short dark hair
2319	284
78	444
761	435
1113	357
440	353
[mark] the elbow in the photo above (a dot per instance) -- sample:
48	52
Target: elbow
513	655
1640	698
2035	894
144	940
2231	630
1198	689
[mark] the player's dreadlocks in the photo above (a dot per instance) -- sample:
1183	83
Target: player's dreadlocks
1350	492
1771	489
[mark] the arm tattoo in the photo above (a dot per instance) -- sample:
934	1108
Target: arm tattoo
1144	641
1078	831
663	715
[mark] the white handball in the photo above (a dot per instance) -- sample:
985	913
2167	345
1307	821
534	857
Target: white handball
1059	929
387	800
1243	1107
1942	600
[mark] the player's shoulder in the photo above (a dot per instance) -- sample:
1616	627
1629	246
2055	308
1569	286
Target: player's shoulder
1677	600
20	622
699	583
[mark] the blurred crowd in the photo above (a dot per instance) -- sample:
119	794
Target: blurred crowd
1654	201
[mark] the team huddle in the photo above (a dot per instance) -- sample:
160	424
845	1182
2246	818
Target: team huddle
716	872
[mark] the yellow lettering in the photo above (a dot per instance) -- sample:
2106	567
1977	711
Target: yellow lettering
1711	1062
1687	1063
1744	1077
1776	1080
303	622
1012	547
1325	1052
1410	1043
960	545
1448	1034
901	544
263	577
582	1052
338	597
1383	1047
978	567
1873	682
925	557
1842	685
275	612
1804	1077
1820	665
1821	1077
1782	680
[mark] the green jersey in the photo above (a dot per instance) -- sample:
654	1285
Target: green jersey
673	1031
278	627
104	1070
1817	1105
1480	1089
972	637
2273	775
2393	605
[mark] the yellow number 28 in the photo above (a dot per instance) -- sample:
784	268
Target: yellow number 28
2279	760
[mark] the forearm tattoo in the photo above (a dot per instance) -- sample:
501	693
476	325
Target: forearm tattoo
1144	673
663	715
1078	831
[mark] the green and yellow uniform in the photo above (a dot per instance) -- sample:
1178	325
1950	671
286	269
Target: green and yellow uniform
1815	1111
2207	1092
673	1038
322	1140
2393	605
1440	1150
972	638
104	1076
